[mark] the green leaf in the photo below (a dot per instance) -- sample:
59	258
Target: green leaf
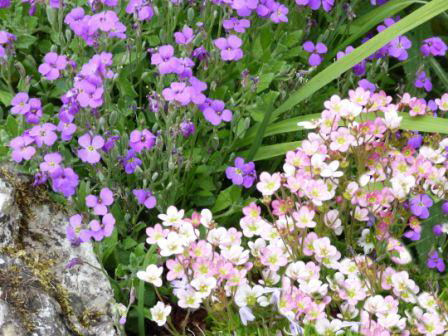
336	69
284	126
439	71
226	198
265	81
12	127
427	238
270	151
25	41
5	97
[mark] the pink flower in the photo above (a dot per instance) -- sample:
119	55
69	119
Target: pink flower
341	140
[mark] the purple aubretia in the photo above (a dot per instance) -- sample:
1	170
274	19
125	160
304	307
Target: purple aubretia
398	48
434	261
130	162
21	148
145	197
140	140
214	112
316	4
433	46
103	228
65	181
420	204
89	151
75	231
51	162
316	51
185	36
229	48
100	204
53	65
242	173
423	81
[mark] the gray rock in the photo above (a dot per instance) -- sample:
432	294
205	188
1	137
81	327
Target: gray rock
39	295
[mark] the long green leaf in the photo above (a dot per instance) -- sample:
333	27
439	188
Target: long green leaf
284	126
270	151
336	69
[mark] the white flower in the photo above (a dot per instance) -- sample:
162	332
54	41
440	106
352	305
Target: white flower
206	218
246	315
308	124
365	241
331	219
172	216
152	274
268	184
375	304
160	312
189	299
248	296
171	245
325	327
391	118
331	170
204	285
304	218
402	184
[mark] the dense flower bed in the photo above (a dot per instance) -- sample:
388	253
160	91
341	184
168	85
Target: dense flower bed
137	113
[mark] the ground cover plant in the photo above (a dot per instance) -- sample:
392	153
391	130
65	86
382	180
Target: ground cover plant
255	167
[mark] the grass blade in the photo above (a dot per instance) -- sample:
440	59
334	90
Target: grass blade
270	151
439	71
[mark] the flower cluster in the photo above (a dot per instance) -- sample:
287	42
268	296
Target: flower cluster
6	43
352	178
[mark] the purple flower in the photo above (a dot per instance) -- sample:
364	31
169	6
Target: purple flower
239	26
66	127
279	13
40	178
437	230
35	113
145	197
398	48
21	148
366	85
315	59
100	204
75	231
214	112
185	36
90	148
230	47
5	3
141	9
434	261
53	64
90	92
51	162
416	141
130	162
420	204
187	128
99	230
242	174
65	181
422	81
140	140
315	4
44	134
200	53
433	46
164	59
360	68
177	92
445	208
20	103
413	235
110	143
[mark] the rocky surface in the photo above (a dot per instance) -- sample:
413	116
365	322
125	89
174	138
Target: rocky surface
39	294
